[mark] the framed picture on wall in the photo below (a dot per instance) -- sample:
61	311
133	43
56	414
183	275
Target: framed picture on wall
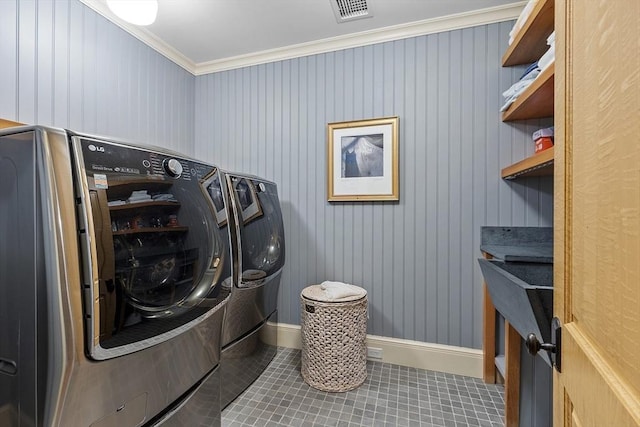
363	160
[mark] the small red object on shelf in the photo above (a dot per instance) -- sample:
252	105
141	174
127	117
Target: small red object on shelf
173	221
543	139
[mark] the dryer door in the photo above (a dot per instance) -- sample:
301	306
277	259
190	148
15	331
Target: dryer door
260	229
260	247
156	255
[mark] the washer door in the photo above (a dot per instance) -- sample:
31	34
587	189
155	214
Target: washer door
160	253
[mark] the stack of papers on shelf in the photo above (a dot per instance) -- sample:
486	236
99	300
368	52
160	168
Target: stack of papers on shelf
511	94
524	15
530	74
116	203
164	197
139	196
550	55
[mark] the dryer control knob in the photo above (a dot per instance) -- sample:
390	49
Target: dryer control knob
173	167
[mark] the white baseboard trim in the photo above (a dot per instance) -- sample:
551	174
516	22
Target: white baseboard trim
415	354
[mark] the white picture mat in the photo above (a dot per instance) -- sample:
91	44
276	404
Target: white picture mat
366	186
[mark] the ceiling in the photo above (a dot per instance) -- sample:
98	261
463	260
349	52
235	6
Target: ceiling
201	33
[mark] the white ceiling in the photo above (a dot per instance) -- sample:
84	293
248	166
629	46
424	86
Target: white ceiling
201	32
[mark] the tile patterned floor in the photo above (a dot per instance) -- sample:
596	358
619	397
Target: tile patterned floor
392	395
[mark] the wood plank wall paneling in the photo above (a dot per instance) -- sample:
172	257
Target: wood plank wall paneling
416	258
64	65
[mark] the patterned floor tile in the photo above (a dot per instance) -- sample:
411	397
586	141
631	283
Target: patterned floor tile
392	395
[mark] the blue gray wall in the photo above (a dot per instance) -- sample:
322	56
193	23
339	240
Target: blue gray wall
416	258
62	64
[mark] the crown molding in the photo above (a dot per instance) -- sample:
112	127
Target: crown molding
397	32
144	35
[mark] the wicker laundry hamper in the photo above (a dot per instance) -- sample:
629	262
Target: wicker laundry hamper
334	353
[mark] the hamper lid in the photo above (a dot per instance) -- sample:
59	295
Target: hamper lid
334	292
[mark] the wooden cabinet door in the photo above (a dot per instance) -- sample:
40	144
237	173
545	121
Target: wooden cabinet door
597	217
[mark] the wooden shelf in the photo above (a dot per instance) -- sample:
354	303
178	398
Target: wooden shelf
540	164
4	123
122	189
142	205
531	41
536	101
150	230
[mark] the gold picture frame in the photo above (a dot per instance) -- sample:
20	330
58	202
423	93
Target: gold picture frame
363	160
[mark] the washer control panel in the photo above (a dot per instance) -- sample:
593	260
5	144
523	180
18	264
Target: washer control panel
172	167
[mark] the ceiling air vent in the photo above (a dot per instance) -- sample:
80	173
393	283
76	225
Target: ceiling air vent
349	10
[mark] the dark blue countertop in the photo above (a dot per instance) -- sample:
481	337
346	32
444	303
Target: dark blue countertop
521	244
543	254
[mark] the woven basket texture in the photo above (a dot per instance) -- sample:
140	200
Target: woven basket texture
334	352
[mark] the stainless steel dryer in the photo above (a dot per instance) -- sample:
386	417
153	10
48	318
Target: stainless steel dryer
258	246
112	261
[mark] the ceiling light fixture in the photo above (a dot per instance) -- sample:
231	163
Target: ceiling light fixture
137	12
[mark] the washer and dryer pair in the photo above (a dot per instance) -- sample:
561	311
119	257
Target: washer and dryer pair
125	272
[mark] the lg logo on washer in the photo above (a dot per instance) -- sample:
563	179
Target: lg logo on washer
92	147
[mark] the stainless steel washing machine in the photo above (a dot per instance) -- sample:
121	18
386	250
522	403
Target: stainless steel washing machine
258	245
112	263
